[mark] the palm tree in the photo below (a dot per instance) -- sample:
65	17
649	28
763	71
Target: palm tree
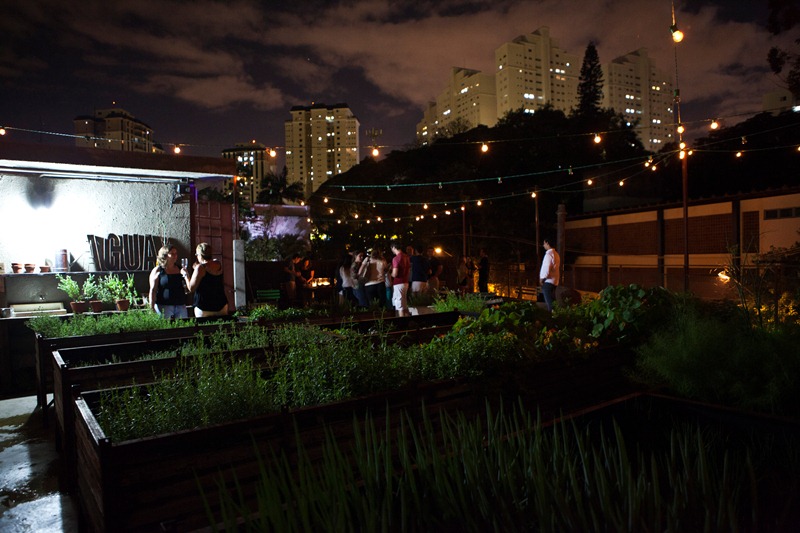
275	189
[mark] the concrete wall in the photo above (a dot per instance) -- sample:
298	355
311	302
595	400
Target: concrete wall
40	216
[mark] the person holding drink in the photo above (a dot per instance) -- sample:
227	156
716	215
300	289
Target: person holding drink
207	283
167	296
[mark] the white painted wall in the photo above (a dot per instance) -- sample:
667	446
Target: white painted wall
39	216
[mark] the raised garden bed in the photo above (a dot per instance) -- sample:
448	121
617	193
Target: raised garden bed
145	484
46	345
86	367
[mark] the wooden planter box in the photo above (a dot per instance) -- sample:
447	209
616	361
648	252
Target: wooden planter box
69	379
46	345
152	484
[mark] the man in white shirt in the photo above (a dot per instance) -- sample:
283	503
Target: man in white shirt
550	273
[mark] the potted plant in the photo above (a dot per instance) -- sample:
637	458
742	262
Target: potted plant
121	292
93	290
73	289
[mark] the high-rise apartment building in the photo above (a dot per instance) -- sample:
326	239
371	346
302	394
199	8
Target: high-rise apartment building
470	97
321	141
634	87
253	161
114	129
532	71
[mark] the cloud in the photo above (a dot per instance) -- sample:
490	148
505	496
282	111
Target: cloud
215	93
386	57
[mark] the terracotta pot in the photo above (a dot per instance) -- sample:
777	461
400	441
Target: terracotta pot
30	267
16	268
123	305
79	307
44	268
96	305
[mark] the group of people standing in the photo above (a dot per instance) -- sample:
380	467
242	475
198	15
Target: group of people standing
169	284
369	277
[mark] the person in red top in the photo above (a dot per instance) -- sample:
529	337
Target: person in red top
401	268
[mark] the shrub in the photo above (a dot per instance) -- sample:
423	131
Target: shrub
200	392
720	358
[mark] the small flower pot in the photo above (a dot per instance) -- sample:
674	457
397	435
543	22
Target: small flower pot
123	305
29	267
44	268
16	268
79	307
96	305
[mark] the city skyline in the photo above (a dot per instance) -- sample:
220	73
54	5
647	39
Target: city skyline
210	74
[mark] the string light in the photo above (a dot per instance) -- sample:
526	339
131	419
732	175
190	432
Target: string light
597	138
714	124
681	128
739	154
484	148
590	181
479	203
2	131
176	149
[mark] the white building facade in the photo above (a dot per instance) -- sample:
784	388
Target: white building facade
321	142
531	72
114	129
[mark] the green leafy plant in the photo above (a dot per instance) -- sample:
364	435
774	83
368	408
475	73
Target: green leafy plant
93	289
465	303
201	391
118	289
710	353
507	472
77	325
70	286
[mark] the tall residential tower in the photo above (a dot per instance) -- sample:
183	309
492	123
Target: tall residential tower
321	141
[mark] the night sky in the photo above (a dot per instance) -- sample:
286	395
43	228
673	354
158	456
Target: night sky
210	74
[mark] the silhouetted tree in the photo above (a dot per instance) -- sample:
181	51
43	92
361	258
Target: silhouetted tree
275	189
784	15
590	86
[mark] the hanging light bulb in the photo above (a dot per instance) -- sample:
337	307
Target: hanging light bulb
479	203
533	194
484	148
272	152
621	183
2	131
425	206
681	129
355	216
375	151
739	154
714	124
325	200
597	138
177	149
590	181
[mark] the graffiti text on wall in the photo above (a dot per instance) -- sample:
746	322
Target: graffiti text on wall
124	252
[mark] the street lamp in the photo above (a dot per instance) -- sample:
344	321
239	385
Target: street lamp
677	37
